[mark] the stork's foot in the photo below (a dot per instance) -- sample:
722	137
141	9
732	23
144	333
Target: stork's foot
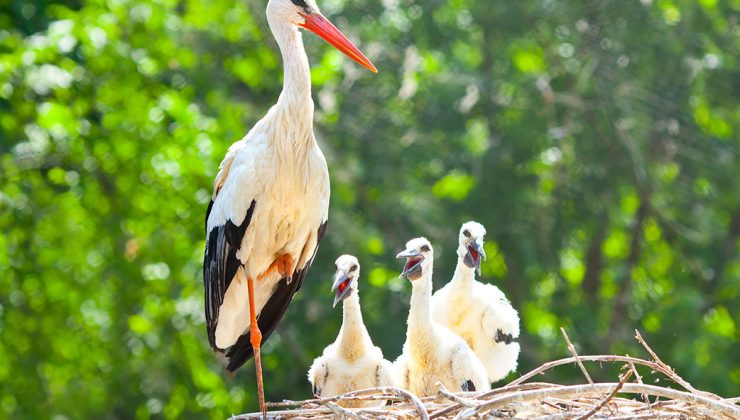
283	264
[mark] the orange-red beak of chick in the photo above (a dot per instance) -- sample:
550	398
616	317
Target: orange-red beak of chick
319	25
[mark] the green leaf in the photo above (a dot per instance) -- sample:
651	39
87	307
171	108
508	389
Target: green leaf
455	186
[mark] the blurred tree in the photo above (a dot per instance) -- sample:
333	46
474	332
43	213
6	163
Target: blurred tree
598	142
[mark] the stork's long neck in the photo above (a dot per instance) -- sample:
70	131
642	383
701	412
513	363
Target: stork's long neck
464	275
352	335
420	315
295	103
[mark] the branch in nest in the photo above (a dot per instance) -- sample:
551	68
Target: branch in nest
504	389
668	371
583	390
572	350
662	368
622	380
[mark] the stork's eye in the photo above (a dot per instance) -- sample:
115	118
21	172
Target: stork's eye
425	248
300	3
466	233
353	268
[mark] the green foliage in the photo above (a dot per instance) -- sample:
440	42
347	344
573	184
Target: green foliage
597	142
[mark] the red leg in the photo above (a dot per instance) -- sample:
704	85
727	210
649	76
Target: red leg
284	265
255	337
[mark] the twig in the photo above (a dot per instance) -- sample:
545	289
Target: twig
572	350
651	417
639	380
348	396
580	390
508	388
454	398
612	358
423	415
340	412
411	398
668	371
547	403
622	380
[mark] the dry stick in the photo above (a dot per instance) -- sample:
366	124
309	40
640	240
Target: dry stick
549	404
622	380
610	358
502	390
572	350
581	390
650	416
669	370
413	399
340	412
348	396
639	380
360	394
454	398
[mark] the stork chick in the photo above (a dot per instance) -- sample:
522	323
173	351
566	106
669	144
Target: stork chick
432	352
352	362
478	312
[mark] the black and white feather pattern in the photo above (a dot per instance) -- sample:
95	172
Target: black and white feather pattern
220	265
271	313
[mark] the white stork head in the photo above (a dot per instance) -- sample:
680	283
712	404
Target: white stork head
471	244
346	278
419	255
306	14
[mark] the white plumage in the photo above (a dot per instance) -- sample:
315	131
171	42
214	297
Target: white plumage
432	352
478	312
352	362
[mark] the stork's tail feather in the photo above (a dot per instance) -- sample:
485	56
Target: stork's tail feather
238	354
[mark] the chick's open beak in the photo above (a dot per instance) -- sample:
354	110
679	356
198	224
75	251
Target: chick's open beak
474	255
341	287
412	268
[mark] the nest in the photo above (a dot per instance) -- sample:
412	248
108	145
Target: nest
533	400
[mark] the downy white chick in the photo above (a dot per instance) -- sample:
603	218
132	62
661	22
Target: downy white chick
432	352
352	362
478	312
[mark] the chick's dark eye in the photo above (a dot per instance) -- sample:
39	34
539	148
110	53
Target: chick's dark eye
425	248
353	268
466	233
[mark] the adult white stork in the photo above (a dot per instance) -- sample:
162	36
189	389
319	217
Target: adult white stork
270	201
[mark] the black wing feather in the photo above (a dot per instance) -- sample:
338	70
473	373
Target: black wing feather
503	338
272	312
220	265
468	386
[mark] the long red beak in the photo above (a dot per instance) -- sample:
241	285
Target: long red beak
319	25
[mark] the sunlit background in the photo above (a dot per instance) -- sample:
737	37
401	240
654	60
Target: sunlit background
597	141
